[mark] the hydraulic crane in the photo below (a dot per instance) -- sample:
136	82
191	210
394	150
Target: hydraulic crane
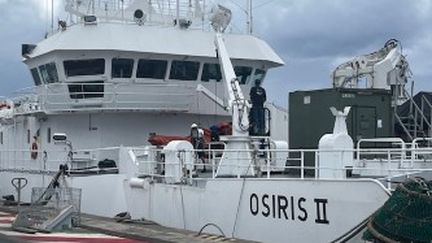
386	68
237	158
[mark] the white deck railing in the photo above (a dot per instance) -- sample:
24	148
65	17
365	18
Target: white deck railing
302	164
382	164
111	96
160	12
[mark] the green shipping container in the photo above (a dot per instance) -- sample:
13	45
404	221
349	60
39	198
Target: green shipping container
310	116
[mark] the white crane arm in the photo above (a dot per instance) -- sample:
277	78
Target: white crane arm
238	105
381	69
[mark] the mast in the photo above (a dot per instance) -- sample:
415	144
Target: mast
249	14
178	12
52	16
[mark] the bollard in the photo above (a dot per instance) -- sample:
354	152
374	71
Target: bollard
19	183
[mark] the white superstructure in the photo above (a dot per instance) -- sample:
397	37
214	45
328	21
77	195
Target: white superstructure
121	71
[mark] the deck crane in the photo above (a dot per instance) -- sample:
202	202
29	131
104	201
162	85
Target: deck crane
386	68
238	162
237	104
240	148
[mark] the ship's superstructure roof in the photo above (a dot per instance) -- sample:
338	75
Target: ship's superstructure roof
154	39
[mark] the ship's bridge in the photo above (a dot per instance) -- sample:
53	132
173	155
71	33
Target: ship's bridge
120	66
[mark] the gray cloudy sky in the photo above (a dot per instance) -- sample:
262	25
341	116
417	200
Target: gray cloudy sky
312	37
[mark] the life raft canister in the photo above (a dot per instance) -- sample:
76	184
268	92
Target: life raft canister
34	151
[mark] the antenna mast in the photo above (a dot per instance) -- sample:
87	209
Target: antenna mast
52	15
249	14
178	12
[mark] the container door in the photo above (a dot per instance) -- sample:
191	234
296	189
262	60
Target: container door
364	122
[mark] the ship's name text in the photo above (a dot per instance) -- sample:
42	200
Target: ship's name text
288	208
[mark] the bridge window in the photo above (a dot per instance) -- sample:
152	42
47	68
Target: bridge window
36	78
154	69
49	73
259	75
243	74
86	90
184	70
84	67
121	68
211	72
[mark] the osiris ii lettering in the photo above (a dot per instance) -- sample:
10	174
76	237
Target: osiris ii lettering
287	208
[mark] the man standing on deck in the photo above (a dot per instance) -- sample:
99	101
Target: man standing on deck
258	97
197	139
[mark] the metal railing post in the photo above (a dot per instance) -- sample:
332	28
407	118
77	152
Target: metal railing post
316	164
388	160
238	169
268	165
422	110
302	164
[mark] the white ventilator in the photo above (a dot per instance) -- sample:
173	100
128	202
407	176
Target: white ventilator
336	149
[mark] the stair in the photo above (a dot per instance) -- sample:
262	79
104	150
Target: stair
413	118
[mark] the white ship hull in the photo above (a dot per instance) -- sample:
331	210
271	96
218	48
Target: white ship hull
265	210
102	195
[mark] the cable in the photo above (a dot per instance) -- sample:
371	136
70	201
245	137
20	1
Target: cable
263	4
238	5
240	200
353	232
211	224
238	206
183	208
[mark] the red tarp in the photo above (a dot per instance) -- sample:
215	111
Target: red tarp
161	140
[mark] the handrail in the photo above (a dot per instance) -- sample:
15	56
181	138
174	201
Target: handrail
137	96
427	101
159	12
383	140
18	159
424	100
417	108
403	126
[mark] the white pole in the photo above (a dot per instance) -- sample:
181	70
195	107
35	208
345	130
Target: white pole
203	18
247	16
52	16
178	12
122	7
250	20
47	16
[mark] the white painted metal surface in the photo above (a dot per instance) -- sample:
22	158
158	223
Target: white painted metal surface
262	210
177	154
337	141
154	39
